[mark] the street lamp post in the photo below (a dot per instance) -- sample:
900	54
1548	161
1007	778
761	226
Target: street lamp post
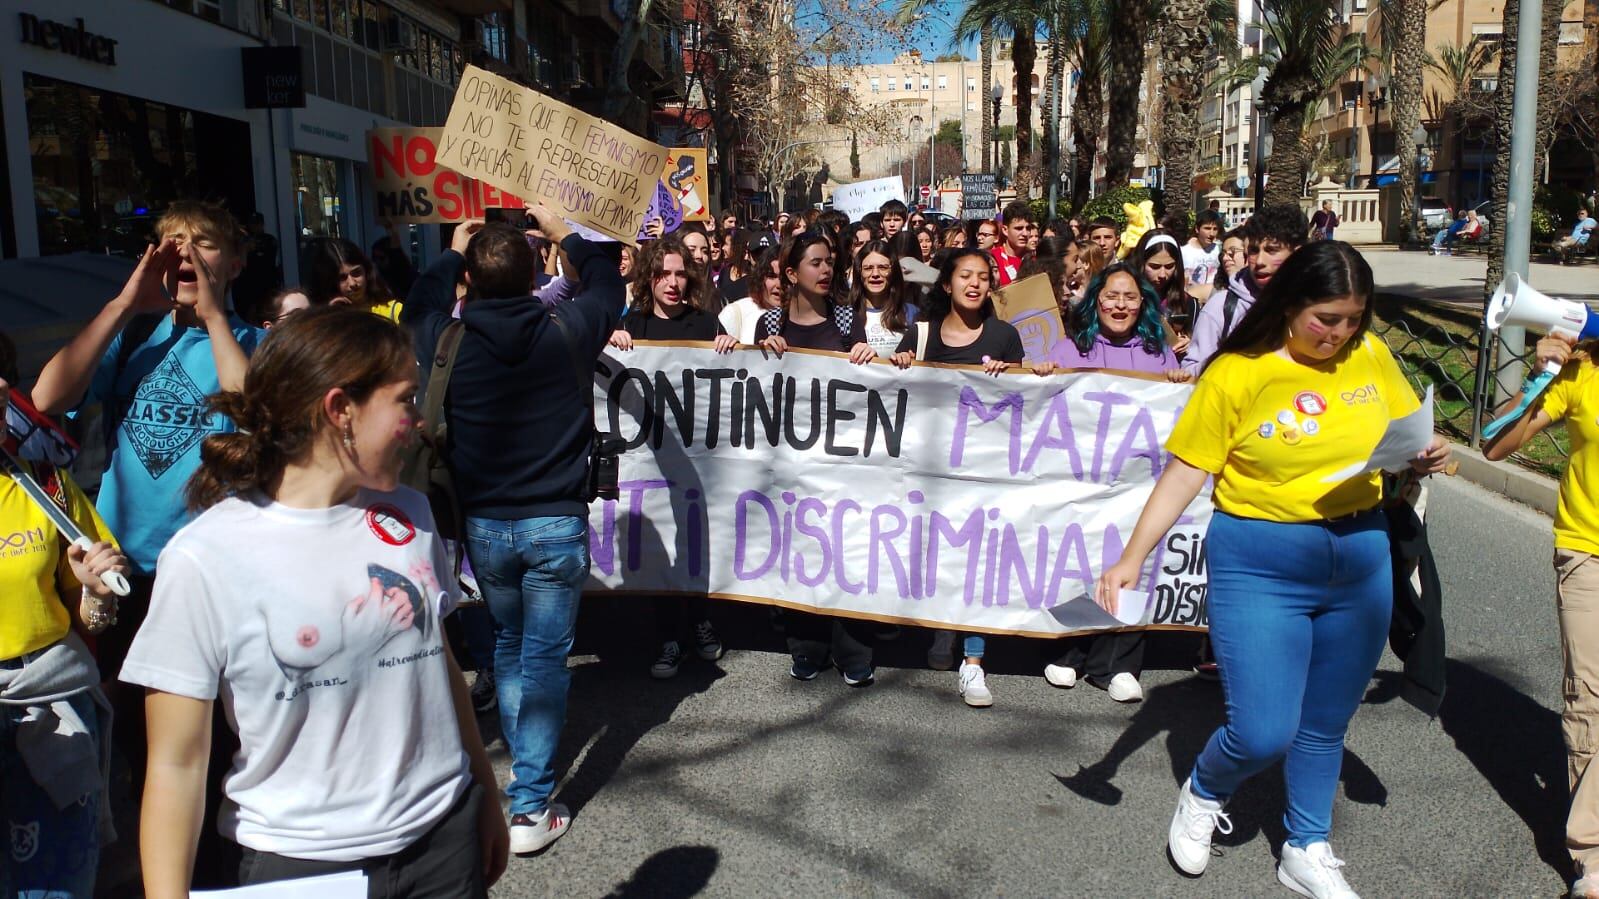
1377	90
1256	87
1419	136
916	125
998	94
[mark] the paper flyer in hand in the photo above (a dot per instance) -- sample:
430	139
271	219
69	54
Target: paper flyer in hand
1405	439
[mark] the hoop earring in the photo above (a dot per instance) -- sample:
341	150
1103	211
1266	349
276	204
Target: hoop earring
349	441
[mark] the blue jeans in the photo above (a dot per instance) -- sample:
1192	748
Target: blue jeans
972	645
48	851
1297	632
531	572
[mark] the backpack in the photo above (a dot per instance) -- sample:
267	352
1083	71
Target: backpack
426	465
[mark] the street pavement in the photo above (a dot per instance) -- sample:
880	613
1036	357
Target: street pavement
1415	273
733	780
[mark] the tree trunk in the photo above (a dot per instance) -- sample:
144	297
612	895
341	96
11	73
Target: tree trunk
1087	111
987	37
1128	28
1405	85
1183	39
1053	81
618	93
1549	87
1504	111
1286	166
1024	52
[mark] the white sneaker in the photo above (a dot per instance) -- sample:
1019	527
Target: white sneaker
1313	871
974	687
532	833
1124	688
1061	675
1192	827
1585	887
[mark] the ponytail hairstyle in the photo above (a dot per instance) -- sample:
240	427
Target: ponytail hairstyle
896	289
1315	273
1084	322
279	410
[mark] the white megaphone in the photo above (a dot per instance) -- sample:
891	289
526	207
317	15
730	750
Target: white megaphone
1517	305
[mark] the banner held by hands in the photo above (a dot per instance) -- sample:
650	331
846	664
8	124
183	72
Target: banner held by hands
582	167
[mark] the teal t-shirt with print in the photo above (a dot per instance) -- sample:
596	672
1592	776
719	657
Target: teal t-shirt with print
162	390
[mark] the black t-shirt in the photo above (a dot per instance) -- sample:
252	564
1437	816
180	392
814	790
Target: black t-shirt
820	336
690	324
733	289
998	340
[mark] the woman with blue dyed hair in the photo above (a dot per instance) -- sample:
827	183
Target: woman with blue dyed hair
1117	325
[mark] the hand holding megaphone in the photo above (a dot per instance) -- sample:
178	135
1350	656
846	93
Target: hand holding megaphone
1517	305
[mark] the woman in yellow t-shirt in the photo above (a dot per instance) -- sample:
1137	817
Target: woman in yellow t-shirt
51	784
1301	586
1573	397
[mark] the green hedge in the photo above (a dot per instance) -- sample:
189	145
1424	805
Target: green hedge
1110	203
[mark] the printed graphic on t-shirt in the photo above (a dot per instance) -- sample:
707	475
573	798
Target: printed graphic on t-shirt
317	648
167	418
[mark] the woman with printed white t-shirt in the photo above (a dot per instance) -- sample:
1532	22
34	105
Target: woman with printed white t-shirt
741	318
309	595
879	290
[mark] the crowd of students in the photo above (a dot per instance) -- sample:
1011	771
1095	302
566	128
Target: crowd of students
252	498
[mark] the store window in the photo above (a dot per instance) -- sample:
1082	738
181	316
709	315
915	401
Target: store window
106	165
318	203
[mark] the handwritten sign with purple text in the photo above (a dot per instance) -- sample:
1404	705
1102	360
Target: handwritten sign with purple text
938	495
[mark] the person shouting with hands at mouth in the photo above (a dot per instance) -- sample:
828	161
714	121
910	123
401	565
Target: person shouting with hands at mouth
149	360
1296	393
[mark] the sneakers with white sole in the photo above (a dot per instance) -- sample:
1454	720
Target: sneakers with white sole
707	645
1124	688
1061	675
1193	825
1585	887
974	686
1313	871
533	833
941	655
666	664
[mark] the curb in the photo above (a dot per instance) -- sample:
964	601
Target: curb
1508	480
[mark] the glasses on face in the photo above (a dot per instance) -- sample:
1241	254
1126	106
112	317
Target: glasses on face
1120	300
876	269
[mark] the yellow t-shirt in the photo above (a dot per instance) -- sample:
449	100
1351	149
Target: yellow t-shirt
1574	397
36	581
1270	429
389	310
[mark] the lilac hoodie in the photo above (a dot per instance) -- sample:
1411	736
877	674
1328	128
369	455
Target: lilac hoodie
1208	332
1104	353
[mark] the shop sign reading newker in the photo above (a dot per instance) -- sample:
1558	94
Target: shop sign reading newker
75	41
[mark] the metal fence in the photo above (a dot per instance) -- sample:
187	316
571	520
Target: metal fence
1449	347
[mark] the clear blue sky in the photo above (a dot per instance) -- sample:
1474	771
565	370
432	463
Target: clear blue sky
933	35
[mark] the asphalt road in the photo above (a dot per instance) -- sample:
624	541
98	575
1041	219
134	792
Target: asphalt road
733	780
1458	279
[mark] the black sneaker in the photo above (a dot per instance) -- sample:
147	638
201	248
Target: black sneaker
666	663
484	697
706	643
804	669
863	678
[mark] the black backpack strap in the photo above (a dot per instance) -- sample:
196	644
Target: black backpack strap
1229	305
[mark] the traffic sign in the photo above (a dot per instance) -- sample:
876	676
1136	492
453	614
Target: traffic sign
1242	182
926	191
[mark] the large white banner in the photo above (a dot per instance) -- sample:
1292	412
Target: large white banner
938	495
862	197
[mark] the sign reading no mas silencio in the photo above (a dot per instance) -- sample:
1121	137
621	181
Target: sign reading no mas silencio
939	495
517	139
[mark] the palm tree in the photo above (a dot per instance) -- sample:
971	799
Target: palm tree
986	35
1020	20
1402	29
1304	58
1190	32
1129	28
1087	43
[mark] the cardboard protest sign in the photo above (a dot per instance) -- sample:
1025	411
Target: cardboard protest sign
414	189
1029	305
856	200
938	495
584	168
685	175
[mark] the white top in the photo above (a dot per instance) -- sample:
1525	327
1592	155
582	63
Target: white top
1201	266
320	630
740	319
883	341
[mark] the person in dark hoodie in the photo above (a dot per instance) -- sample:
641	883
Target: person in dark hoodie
1272	235
520	433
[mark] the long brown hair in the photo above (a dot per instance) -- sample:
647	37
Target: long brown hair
647	267
279	411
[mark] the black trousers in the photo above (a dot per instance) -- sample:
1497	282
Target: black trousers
444	863
1103	656
816	637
